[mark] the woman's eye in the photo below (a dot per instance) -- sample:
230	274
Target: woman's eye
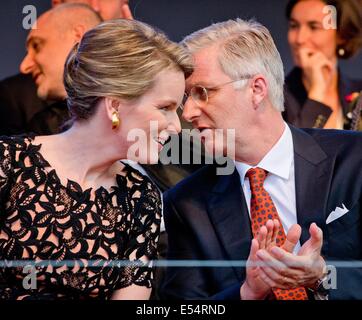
292	25
315	26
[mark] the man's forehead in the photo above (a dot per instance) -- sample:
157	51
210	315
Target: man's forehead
206	66
44	27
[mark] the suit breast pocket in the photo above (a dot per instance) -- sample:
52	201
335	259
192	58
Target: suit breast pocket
348	220
345	235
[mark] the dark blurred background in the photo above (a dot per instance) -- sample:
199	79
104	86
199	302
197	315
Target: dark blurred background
175	17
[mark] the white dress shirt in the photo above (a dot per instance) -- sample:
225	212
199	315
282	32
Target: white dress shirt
280	181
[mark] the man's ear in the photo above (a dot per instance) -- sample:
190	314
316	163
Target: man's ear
56	2
78	32
259	90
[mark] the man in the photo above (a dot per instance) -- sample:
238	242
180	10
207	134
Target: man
19	102
107	9
310	181
47	48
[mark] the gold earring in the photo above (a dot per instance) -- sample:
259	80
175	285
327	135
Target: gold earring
115	120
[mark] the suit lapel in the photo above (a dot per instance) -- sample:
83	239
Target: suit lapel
229	215
313	175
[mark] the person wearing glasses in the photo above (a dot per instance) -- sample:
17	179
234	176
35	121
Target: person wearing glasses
86	223
293	202
317	93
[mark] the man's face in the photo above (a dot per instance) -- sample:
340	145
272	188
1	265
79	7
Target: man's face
110	9
107	9
47	50
227	107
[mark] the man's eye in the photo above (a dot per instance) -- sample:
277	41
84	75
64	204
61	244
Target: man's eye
36	47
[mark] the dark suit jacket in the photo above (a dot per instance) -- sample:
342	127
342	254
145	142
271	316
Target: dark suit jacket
207	218
306	113
18	104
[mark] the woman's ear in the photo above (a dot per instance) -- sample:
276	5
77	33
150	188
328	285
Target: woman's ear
112	105
259	90
112	110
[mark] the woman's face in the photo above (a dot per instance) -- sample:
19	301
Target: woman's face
306	30
148	122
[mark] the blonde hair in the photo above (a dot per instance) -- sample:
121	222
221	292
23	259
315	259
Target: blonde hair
118	58
246	48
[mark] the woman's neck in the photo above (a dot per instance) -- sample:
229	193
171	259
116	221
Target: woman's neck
81	155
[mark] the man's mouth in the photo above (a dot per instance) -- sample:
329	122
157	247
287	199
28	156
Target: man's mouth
202	128
36	77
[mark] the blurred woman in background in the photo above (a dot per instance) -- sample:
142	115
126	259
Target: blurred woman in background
317	94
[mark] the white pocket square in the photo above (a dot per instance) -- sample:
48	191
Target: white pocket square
337	213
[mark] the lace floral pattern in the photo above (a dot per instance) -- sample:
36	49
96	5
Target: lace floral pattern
81	232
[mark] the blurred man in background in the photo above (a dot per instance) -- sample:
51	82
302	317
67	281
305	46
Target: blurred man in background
107	9
19	100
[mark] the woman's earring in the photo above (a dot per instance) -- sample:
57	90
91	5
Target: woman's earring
341	52
115	120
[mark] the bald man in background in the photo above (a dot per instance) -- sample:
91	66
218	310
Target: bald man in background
20	105
48	46
47	49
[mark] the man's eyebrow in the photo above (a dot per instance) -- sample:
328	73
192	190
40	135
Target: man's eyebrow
204	84
32	39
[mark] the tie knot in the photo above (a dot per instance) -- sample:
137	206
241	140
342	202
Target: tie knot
256	176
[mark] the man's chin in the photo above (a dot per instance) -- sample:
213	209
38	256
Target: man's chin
42	93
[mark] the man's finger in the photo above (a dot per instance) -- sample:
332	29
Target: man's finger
253	250
316	235
292	238
262	237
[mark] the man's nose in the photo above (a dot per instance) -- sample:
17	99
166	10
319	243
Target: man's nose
191	110
27	64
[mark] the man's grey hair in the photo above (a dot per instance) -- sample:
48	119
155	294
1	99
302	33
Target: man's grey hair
246	48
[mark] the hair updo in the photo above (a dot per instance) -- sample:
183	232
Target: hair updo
118	58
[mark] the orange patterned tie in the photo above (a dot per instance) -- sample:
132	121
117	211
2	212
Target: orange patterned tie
262	209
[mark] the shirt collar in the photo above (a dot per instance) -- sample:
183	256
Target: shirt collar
277	161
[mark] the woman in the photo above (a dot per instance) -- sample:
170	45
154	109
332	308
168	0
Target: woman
66	199
316	91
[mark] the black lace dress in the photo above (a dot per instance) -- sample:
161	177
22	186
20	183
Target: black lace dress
60	241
